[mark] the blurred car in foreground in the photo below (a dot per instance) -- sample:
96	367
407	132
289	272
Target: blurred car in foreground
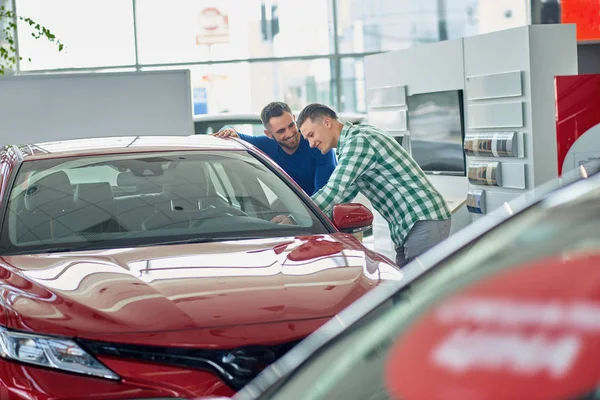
146	267
506	309
250	123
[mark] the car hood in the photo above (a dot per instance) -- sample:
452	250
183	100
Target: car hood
138	292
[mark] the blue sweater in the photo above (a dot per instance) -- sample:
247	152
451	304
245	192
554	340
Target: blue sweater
308	167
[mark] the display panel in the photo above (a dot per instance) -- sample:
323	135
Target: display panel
485	173
476	201
491	144
436	126
399	139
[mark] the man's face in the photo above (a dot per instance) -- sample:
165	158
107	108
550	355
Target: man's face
318	133
283	129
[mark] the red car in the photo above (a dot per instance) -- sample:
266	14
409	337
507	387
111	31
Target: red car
151	267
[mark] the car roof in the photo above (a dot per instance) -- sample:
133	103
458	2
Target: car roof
126	144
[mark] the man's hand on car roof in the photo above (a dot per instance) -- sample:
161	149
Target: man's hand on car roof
227	133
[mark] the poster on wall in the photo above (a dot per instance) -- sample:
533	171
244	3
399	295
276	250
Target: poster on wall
577	121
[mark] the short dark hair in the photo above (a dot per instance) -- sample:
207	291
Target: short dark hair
273	109
314	111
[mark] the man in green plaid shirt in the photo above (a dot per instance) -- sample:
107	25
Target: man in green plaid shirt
373	163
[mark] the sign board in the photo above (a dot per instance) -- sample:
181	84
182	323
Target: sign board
213	27
586	16
577	121
531	331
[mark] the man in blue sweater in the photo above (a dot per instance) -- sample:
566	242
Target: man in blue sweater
285	145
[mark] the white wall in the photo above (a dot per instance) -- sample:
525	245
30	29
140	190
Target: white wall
422	68
553	52
42	108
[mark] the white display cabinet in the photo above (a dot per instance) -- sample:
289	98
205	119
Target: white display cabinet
510	140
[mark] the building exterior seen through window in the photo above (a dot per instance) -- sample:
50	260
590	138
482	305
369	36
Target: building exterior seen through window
244	54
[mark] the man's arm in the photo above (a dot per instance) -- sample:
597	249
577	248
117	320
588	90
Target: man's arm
263	143
341	187
253	140
325	165
228	132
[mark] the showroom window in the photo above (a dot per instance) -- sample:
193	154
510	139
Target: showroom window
375	25
384	25
353	87
95	33
246	87
244	54
295	82
219	88
199	31
3	43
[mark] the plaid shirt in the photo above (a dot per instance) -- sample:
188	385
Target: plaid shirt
372	162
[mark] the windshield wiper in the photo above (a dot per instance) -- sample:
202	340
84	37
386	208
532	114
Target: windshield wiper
65	249
204	240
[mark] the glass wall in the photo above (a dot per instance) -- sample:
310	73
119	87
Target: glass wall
244	54
8	69
96	34
295	29
384	25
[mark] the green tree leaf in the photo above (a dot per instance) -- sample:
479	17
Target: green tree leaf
8	49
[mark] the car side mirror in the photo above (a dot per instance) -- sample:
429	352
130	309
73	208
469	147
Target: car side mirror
352	217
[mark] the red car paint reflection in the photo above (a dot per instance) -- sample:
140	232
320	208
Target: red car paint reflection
315	247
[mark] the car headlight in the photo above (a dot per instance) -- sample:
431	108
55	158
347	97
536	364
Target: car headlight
46	351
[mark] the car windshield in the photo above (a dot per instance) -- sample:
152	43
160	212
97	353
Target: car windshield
561	228
148	198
